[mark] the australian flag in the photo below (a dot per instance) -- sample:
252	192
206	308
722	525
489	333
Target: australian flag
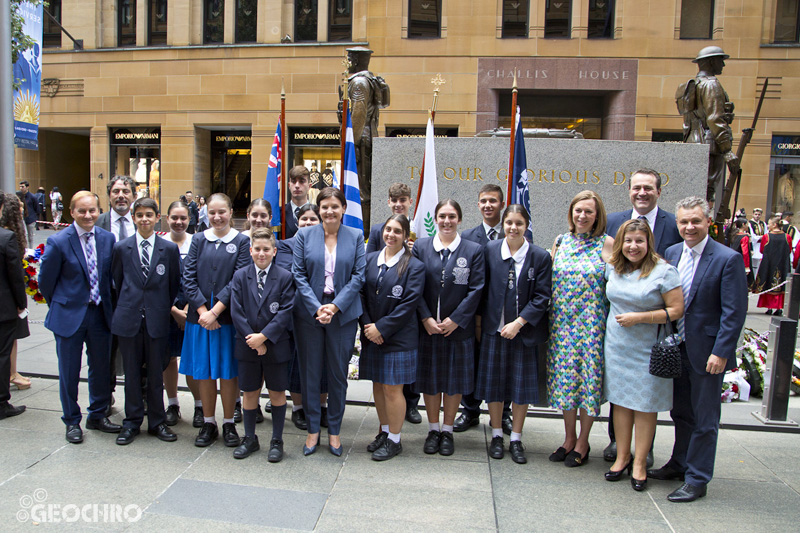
272	187
352	193
519	182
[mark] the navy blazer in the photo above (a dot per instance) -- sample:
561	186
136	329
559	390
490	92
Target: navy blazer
393	309
533	292
104	221
12	281
717	304
207	273
285	255
64	279
308	269
289	220
375	242
270	315
478	234
139	298
461	294
665	231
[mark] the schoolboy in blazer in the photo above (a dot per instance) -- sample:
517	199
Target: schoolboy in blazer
266	359
147	277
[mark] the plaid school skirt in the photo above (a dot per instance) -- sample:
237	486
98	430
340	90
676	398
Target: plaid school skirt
391	368
445	365
507	371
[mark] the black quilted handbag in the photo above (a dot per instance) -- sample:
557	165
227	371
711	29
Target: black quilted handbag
665	357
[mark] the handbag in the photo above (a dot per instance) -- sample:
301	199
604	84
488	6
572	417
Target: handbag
665	356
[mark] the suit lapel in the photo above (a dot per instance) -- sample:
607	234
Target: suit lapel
75	241
705	260
158	249
133	253
658	230
269	286
252	282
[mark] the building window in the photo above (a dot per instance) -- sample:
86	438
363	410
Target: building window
157	22
126	23
557	18
697	19
341	20
601	19
51	33
246	19
305	20
515	18
213	21
787	21
424	18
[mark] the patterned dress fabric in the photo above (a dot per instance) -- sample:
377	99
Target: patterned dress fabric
577	324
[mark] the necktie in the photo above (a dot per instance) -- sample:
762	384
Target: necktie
123	228
492	234
91	263
642	217
381	272
445	257
296	213
262	278
686	271
145	258
510	304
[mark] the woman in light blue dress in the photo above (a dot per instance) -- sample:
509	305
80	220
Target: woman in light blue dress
640	287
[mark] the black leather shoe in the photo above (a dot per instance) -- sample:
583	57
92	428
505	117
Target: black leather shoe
507	425
616	475
127	435
517	452
197	417
247	447
299	419
208	434
666	473
230	436
387	450
103	424
446	444
74	434
574	459
650	459
465	421
687	493
380	438
163	432
610	453
172	415
109	410
259	416
432	441
496	449
9	410
638	484
268	406
413	416
237	413
559	455
275	451
323	417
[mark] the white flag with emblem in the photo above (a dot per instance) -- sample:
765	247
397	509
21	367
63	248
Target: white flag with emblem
424	224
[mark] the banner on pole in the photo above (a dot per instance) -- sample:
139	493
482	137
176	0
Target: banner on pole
28	73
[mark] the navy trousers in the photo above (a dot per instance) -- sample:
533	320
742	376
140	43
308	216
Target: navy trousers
139	353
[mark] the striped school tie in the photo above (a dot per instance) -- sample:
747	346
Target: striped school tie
145	258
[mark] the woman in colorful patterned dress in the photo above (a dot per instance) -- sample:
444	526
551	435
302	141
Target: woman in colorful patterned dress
577	324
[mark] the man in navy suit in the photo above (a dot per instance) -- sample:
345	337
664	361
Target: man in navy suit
644	189
147	275
715	296
299	184
75	279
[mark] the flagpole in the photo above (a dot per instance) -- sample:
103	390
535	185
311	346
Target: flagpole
437	82
284	143
513	135
343	133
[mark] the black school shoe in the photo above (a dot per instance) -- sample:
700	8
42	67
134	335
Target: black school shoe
387	450
446	445
275	451
299	419
237	413
229	435
380	438
517	452
496	449
432	441
208	434
197	418
248	446
172	415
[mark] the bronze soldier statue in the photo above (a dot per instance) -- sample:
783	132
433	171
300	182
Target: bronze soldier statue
368	94
708	114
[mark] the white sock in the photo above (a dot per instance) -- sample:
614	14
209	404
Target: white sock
515	436
296	407
446	428
198	403
394	437
228	421
173	401
385	428
209	420
497	432
433	426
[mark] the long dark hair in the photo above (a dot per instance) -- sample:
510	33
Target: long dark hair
405	225
12	220
260	202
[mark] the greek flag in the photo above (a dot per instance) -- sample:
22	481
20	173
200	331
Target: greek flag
334	179
272	187
352	216
520	193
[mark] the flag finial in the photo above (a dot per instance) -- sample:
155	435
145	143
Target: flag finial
437	81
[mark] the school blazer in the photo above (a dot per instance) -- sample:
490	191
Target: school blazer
64	279
289	220
393	310
207	273
270	315
717	304
533	289
144	298
375	242
461	294
478	235
665	231
308	269
285	255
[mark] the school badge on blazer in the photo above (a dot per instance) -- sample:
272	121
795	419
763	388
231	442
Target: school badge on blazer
231	248
273	307
397	292
160	269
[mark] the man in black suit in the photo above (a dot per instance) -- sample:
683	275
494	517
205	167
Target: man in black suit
644	189
194	212
31	210
715	297
12	284
298	188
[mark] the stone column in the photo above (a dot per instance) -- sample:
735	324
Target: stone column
99	163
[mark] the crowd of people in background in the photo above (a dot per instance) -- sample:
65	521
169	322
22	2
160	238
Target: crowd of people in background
458	318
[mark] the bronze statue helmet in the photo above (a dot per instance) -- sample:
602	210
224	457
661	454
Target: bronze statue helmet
709	52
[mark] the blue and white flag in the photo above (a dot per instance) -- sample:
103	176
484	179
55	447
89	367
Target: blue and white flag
272	187
28	73
520	193
352	193
334	179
